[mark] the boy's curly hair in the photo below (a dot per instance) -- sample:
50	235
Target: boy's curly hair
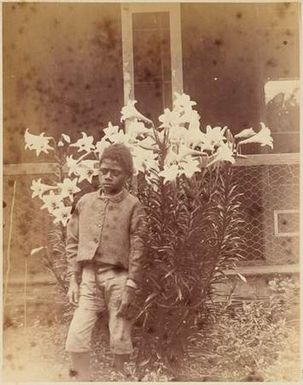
121	154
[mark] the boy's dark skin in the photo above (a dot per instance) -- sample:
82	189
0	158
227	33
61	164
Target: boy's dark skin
112	179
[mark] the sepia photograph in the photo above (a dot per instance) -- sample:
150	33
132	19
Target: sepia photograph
151	198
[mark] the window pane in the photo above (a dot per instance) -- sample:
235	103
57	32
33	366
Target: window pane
155	94
152	62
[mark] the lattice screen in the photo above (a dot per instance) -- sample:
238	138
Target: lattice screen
271	211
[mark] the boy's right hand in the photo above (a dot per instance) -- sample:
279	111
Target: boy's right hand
73	293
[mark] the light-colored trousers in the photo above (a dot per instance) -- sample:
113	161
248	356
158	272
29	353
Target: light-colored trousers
98	292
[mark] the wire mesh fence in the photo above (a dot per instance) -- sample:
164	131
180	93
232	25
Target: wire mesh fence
270	204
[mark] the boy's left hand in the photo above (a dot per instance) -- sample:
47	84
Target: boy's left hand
127	301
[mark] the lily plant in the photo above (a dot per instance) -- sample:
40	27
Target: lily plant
178	146
193	206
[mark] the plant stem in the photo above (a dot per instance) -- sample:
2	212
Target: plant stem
25	294
9	243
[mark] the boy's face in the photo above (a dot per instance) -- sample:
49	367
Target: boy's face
111	176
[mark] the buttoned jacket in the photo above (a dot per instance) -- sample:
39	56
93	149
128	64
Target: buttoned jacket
111	226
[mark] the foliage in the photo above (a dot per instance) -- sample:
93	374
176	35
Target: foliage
192	240
251	333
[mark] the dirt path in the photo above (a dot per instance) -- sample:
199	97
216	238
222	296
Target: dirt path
36	353
31	354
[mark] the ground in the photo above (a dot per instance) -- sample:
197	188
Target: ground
34	346
36	353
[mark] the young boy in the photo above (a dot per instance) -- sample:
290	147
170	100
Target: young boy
104	251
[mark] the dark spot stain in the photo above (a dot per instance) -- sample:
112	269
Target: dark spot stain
288	32
33	344
282	9
271	63
10	183
214	62
72	373
9	357
218	42
8	322
284	222
285	42
56	22
21	30
239	15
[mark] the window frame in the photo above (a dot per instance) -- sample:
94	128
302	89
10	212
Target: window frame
127	10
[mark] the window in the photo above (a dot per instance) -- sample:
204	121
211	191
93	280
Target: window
278	52
151	56
282	113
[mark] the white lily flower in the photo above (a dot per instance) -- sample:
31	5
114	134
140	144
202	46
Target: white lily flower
172	157
185	151
143	159
130	112
169	118
40	188
194	121
122	138
195	137
214	136
101	146
223	154
62	214
66	138
39	143
247	132
52	201
178	134
86	170
147	143
85	143
170	173
182	101
136	128
263	137
68	188
72	165
110	130
189	166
